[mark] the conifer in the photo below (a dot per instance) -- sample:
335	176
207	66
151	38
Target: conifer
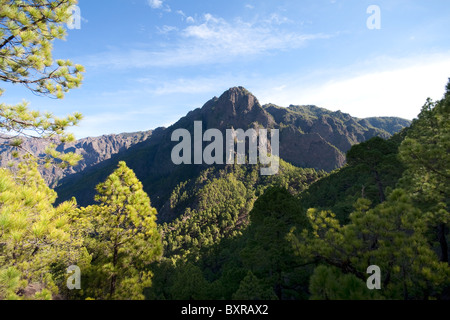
124	238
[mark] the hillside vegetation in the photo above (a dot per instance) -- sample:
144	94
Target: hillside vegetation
230	233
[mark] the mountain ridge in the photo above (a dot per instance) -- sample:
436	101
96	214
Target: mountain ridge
93	149
310	137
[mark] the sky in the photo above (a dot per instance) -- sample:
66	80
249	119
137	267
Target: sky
149	62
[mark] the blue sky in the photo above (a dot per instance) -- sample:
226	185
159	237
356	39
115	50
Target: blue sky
149	62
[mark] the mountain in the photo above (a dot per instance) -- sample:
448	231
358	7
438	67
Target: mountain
325	135
310	137
93	150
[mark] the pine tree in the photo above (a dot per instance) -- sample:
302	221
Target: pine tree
37	240
425	151
189	283
329	283
124	238
252	288
391	236
27	30
268	253
378	157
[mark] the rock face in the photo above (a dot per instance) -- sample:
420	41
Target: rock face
309	137
93	150
319	138
236	108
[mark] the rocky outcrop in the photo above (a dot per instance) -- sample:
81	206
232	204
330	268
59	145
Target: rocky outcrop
93	150
236	108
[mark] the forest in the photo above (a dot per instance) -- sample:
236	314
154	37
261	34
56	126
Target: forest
303	234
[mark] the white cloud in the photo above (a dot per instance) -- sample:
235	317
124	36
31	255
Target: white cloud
277	19
280	88
199	85
217	37
159	4
391	87
210	41
186	18
165	29
155	4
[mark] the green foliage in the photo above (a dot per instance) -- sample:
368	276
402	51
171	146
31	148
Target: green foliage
123	239
402	234
329	283
375	156
217	204
267	252
251	288
295	179
372	169
260	248
35	236
189	284
27	30
425	153
10	283
216	215
388	124
391	236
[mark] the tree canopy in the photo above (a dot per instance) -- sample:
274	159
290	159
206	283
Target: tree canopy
27	31
123	238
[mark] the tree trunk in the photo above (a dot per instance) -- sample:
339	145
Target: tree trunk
443	242
112	288
380	186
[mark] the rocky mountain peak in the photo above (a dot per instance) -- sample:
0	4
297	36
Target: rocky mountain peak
239	100
236	107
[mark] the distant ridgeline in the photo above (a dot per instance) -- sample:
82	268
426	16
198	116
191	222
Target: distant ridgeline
93	150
